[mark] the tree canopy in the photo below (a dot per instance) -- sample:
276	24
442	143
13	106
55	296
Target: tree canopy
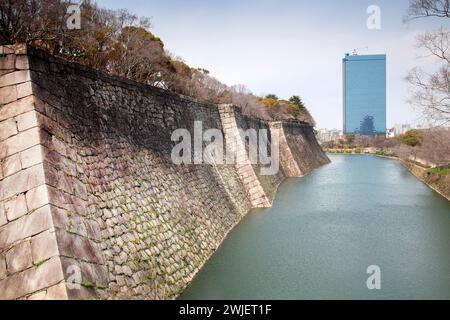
121	43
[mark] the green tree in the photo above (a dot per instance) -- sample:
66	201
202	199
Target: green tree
350	138
271	96
297	101
412	138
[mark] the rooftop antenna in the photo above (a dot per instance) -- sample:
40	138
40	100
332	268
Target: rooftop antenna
355	51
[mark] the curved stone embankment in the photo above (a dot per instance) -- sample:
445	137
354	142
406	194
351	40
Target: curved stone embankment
91	205
437	182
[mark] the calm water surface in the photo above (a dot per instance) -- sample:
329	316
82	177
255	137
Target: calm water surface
325	229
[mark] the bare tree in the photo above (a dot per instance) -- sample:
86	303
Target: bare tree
431	92
32	20
121	43
428	8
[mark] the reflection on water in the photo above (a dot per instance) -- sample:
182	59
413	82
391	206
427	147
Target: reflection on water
325	229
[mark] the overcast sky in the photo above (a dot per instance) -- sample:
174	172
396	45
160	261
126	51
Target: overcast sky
290	47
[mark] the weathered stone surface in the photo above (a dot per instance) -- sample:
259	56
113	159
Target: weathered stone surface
80	189
8	94
7	62
244	167
8	128
22	141
37	197
66	220
27	226
44	246
57	292
22	62
16	107
3	271
22	181
16	207
26	121
3	72
14	78
7	49
19	257
24	89
79	247
82	293
32	280
93	278
38	295
31	157
20	49
3	219
11	165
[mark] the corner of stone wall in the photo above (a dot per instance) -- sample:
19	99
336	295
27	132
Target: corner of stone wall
43	240
287	161
246	173
30	265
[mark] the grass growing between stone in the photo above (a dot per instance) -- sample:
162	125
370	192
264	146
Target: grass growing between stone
442	172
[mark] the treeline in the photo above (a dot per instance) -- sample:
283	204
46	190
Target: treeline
431	145
121	43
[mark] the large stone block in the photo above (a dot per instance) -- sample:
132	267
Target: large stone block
20	49
22	181
11	165
77	290
26	121
44	246
58	198
38	295
22	62
17	107
14	78
16	207
8	94
3	72
8	128
37	197
57	292
78	247
31	157
19	142
24	89
80	189
19	257
7	49
7	62
27	226
70	222
31	280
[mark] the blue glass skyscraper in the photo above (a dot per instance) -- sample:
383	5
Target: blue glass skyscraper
364	79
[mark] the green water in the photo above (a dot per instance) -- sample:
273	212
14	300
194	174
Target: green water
325	229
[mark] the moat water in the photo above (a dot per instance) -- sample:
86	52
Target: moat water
325	229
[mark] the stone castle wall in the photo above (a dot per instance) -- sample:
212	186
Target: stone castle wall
91	205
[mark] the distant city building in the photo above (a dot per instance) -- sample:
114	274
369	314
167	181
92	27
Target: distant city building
325	135
424	125
401	129
364	79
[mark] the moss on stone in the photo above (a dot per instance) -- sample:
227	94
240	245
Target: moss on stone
40	262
